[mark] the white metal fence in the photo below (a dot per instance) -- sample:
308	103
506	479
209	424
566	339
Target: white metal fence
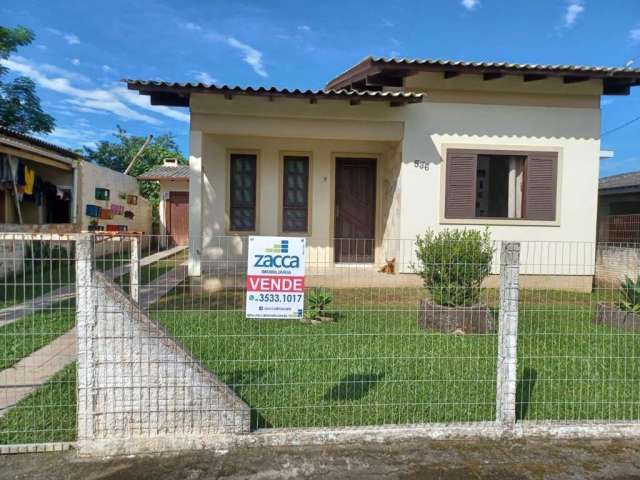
104	339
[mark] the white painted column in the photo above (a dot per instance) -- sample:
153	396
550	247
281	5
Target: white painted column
85	326
508	336
195	202
134	277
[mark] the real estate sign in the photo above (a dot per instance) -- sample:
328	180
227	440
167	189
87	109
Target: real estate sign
275	277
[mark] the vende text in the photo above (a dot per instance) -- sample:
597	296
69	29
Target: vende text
266	283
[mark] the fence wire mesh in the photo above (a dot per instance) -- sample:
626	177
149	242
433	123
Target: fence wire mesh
383	350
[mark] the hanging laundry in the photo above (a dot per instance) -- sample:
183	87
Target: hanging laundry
128	214
20	180
38	191
29	180
6	175
132	199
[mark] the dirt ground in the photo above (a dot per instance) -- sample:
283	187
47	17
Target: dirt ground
421	459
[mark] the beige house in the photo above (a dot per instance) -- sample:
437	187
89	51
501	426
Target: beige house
392	147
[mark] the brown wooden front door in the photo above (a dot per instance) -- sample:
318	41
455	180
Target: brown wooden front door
355	210
178	218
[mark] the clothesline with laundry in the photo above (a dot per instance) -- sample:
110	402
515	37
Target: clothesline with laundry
27	185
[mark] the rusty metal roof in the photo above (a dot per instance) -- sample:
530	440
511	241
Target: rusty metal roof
177	94
613	77
164	172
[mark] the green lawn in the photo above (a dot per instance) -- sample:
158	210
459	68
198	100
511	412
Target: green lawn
375	366
28	334
47	415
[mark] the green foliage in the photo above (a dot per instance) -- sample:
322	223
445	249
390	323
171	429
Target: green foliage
631	295
453	264
41	255
20	107
318	301
118	154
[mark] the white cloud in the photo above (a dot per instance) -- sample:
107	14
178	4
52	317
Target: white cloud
118	100
204	77
41	47
55	70
251	56
470	4
75	61
106	68
70	38
192	26
574	9
304	28
634	35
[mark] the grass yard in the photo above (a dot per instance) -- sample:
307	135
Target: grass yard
47	415
375	366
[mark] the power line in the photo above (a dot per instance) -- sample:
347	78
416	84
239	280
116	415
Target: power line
619	127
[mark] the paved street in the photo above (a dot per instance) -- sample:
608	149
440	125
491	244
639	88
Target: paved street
421	459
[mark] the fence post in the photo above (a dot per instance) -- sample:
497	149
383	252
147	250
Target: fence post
134	278
508	336
85	325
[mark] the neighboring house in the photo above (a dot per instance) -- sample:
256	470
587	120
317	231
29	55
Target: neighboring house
393	147
47	188
38	185
173	180
619	208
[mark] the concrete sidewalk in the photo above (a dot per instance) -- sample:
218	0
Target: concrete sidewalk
418	459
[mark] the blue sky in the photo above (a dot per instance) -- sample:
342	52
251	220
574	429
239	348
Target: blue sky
84	47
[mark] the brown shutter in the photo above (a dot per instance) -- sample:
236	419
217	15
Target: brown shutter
541	174
460	185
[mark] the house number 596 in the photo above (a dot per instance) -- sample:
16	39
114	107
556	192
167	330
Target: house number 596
421	164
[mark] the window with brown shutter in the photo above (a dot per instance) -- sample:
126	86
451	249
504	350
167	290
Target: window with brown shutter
295	194
242	185
501	185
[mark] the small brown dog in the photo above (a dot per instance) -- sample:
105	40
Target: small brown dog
389	266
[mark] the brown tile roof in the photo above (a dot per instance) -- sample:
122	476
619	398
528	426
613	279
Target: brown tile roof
614	78
177	94
163	172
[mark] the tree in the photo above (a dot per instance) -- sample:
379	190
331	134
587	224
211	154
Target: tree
19	105
117	155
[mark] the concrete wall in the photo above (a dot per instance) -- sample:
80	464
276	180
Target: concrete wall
92	176
615	263
142	384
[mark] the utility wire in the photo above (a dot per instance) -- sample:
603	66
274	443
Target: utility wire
619	127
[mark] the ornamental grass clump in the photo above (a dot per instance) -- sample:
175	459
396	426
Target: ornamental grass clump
630	291
452	264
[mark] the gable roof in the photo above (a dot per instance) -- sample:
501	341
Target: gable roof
177	94
164	172
379	71
621	182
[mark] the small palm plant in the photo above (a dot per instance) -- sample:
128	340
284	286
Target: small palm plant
631	295
318	301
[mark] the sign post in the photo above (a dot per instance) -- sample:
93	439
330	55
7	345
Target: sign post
275	277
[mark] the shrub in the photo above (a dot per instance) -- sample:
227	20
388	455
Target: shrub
631	295
319	299
453	264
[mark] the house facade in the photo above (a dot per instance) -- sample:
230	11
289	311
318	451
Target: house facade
391	148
